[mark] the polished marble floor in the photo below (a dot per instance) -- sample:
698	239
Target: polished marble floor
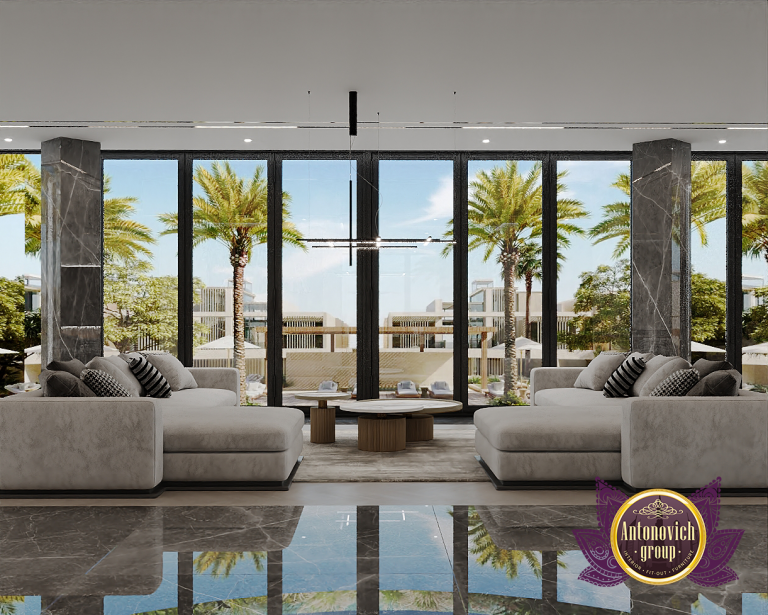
387	559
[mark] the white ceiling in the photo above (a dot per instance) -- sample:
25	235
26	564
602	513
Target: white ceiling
593	66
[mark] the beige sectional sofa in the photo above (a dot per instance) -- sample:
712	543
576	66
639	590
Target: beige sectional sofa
571	435
198	437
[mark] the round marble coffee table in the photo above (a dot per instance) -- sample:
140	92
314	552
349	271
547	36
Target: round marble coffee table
322	419
384	430
419	425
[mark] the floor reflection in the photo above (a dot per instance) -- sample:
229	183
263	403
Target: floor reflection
487	560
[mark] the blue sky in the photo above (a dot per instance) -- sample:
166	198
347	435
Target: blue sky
415	201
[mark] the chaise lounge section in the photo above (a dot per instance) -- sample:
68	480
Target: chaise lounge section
571	435
197	438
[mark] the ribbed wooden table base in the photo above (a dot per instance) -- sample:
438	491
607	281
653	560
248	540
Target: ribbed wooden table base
419	427
381	434
322	425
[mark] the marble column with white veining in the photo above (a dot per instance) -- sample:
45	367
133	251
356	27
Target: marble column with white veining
71	255
660	232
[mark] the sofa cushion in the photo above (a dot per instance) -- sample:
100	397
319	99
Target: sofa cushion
73	366
244	429
199	398
149	376
621	381
173	370
535	428
103	384
705	367
573	397
719	383
677	383
119	370
598	371
652	365
63	384
675	364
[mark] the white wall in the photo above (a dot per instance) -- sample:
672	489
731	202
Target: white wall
589	61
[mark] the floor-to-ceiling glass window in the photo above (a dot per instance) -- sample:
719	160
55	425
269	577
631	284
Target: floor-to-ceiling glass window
141	299
754	273
319	283
19	270
593	250
504	266
708	260
416	278
229	266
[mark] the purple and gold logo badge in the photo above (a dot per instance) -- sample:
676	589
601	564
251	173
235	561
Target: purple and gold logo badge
658	537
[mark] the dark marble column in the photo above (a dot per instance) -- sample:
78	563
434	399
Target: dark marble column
660	231
460	560
367	560
71	308
186	580
274	582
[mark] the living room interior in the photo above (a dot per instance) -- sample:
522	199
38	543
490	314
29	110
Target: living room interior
335	306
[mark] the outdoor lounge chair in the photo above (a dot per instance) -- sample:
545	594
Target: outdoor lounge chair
495	389
407	388
441	389
254	387
328	386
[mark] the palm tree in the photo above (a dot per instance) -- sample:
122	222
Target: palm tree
755	210
505	216
708	180
20	193
507	560
233	212
222	563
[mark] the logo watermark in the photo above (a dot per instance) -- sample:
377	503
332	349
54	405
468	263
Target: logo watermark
658	537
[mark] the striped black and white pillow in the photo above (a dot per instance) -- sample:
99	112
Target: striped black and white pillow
103	384
621	380
149	376
677	383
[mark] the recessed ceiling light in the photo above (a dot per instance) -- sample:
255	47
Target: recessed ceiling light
721	141
8	140
247	140
486	140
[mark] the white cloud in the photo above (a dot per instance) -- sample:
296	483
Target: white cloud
440	204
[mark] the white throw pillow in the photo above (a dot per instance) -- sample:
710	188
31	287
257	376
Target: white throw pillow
651	366
598	371
173	370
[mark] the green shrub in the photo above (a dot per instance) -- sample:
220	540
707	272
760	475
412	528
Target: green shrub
494	379
508	399
474	380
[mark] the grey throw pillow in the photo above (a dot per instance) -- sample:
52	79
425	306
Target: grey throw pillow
705	368
73	366
720	383
178	376
598	371
119	370
651	366
673	365
63	384
677	383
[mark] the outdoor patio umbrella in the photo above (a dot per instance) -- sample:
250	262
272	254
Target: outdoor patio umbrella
697	347
6	351
226	343
756	349
523	343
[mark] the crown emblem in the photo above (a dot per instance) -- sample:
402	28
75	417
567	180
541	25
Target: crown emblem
658	510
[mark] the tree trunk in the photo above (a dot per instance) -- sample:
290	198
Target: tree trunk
528	291
239	261
509	264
